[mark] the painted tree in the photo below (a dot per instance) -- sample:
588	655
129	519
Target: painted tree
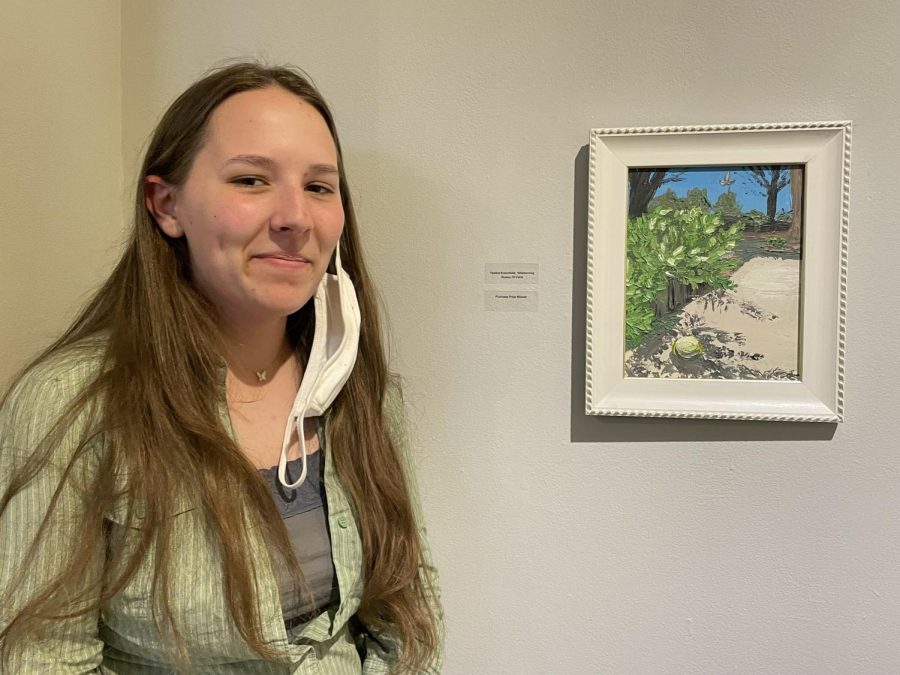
772	180
642	186
727	204
697	197
795	231
666	199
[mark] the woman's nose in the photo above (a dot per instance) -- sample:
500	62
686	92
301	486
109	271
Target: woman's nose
291	210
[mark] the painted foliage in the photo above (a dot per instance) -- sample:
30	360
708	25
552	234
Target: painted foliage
713	272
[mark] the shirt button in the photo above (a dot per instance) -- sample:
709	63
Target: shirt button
343	522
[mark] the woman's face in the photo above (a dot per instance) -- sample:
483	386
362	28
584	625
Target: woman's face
260	209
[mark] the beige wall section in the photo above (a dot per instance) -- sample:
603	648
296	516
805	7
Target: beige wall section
61	154
566	544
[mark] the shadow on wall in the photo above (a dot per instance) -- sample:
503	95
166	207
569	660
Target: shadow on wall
597	428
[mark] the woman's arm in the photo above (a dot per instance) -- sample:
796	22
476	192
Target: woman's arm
59	645
381	648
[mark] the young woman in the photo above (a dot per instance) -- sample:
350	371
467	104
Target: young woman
207	472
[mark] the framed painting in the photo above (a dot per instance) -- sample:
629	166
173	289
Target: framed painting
717	262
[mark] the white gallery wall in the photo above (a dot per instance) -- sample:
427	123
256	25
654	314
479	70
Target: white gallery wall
60	165
566	544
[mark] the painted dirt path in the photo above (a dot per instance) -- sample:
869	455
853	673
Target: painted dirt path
749	332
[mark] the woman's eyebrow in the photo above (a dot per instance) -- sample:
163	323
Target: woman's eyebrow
256	160
269	164
323	168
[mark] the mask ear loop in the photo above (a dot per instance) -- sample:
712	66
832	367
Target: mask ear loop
297	416
282	462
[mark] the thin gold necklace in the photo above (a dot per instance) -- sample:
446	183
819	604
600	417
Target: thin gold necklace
263	375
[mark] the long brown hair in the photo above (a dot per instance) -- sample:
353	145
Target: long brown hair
155	399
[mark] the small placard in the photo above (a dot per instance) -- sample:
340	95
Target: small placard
511	273
510	300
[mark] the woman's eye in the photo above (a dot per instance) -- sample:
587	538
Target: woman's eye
320	188
249	181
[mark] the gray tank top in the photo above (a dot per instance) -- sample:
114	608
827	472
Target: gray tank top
305	515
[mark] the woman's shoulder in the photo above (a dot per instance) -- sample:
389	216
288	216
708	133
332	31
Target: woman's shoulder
397	419
61	374
394	407
393	397
39	396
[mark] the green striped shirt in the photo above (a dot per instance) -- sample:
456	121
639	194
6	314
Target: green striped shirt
122	638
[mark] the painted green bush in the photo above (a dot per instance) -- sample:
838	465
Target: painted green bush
682	246
755	220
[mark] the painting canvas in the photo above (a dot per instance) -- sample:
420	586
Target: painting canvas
713	272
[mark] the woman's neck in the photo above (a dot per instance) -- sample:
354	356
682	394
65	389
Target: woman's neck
254	352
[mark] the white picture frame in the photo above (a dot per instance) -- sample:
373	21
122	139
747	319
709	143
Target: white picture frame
817	396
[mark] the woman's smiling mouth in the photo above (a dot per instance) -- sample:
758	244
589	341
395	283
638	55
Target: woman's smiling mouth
284	260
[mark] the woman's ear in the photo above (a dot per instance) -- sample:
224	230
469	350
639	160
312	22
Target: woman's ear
159	197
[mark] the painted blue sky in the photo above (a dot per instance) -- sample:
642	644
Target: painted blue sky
749	193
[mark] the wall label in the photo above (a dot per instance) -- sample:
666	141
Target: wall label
511	273
510	287
519	300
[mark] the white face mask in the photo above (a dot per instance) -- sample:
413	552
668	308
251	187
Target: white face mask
331	359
